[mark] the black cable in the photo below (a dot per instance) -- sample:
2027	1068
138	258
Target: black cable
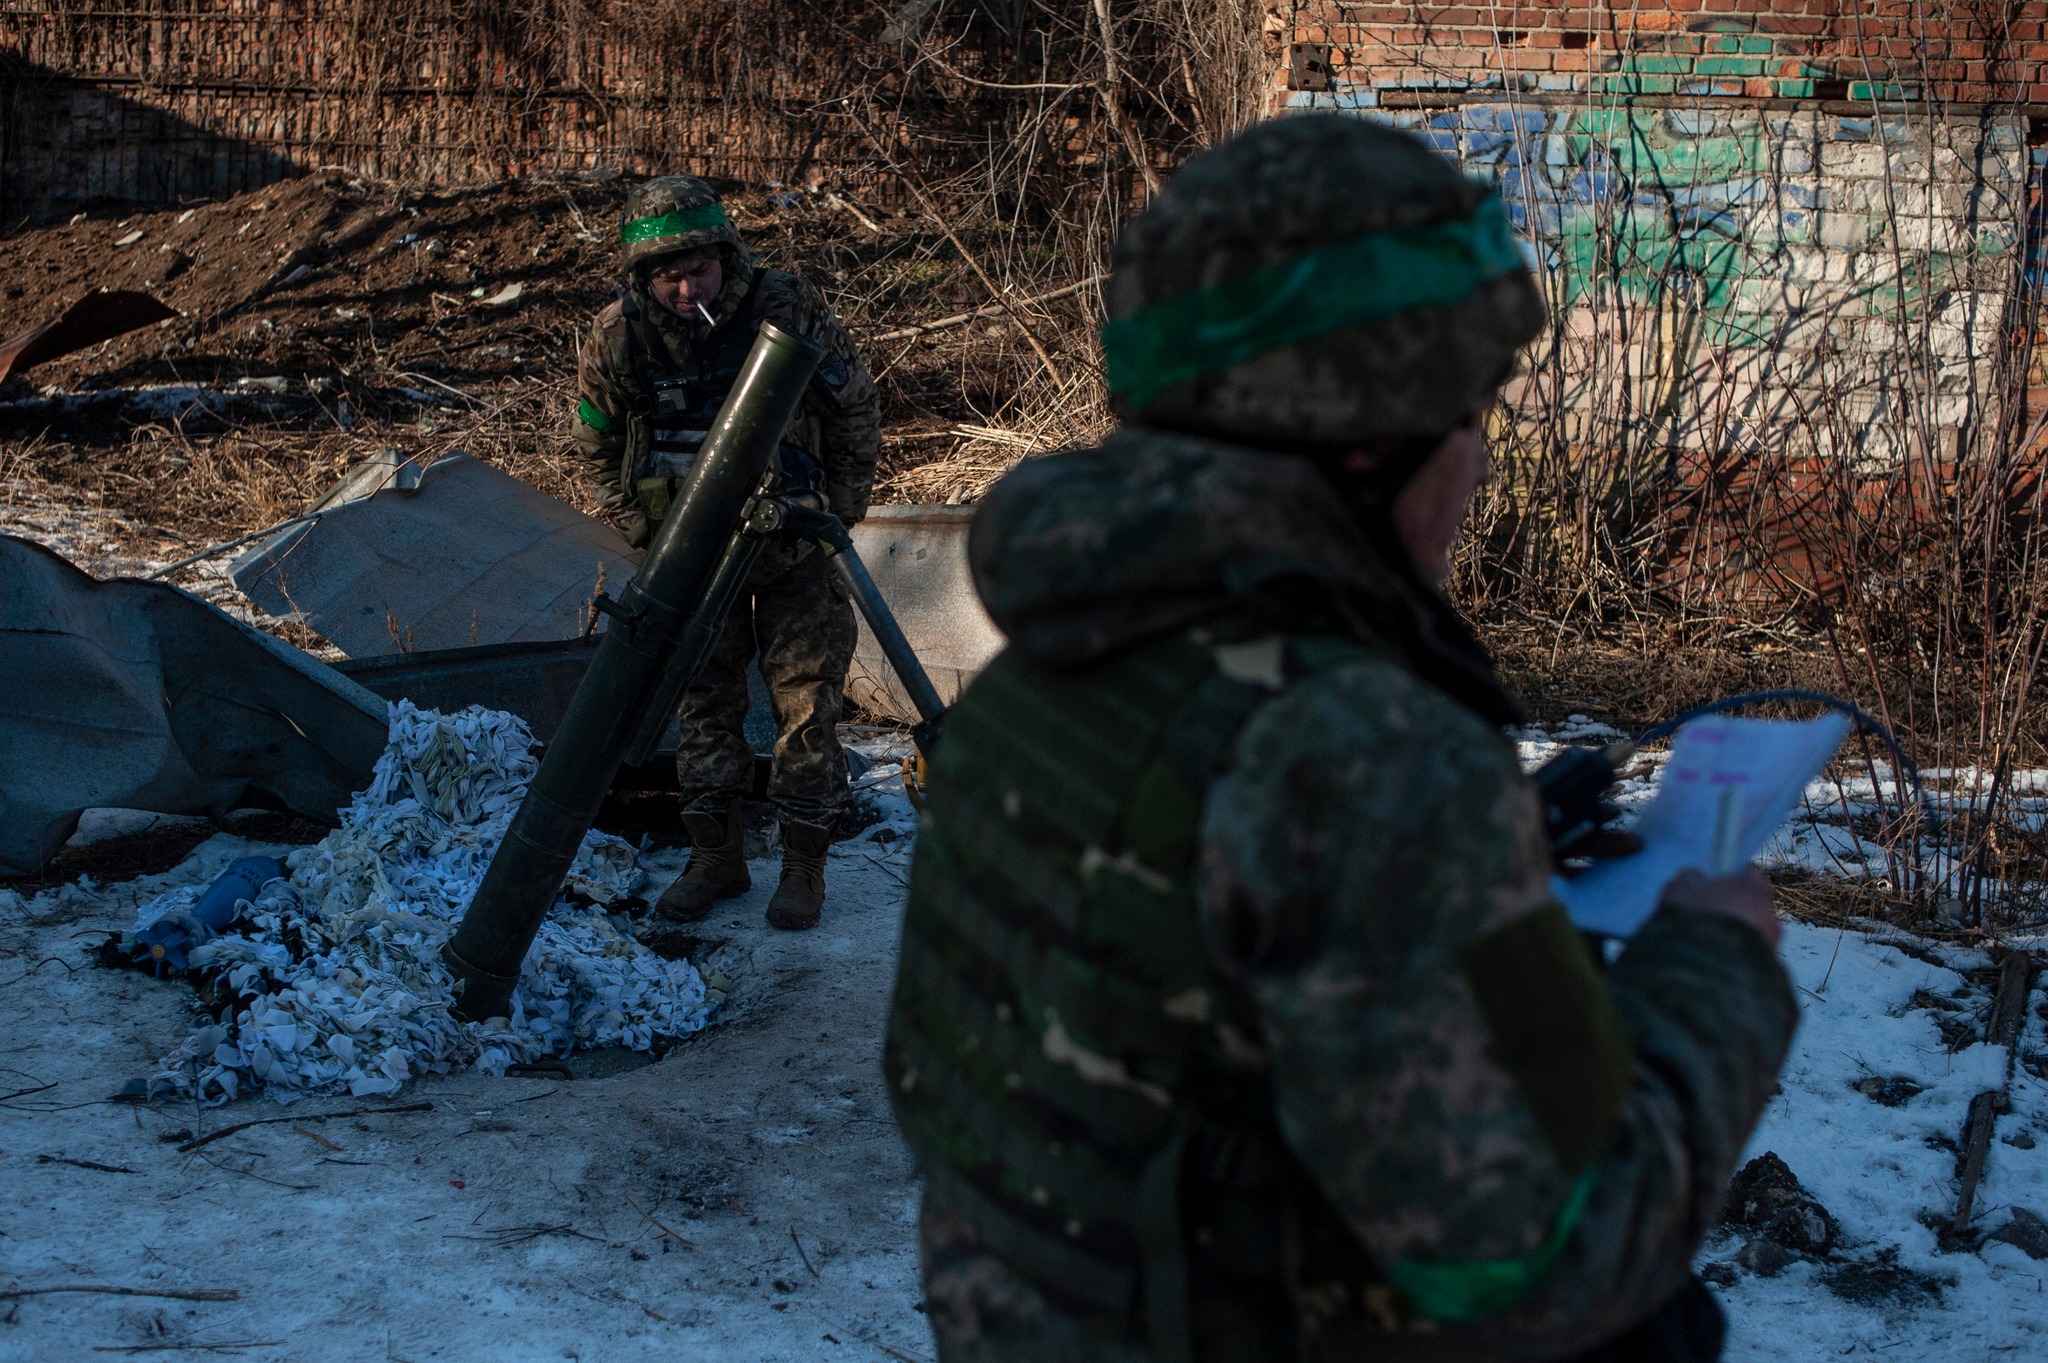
1863	718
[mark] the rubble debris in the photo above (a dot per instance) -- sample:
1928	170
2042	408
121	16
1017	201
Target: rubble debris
336	981
1767	1198
135	695
1882	1280
96	317
1888	1091
2025	1231
1767	1258
465	555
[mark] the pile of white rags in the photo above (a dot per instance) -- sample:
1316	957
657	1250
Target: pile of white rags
336	974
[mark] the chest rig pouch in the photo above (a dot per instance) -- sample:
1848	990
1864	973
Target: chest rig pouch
674	406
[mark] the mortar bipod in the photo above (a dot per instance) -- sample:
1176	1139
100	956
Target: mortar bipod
828	532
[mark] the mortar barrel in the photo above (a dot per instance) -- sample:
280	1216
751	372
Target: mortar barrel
527	871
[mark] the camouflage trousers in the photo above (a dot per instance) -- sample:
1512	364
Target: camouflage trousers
797	617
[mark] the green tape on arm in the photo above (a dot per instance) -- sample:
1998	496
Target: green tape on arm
1449	1293
1555	1030
589	415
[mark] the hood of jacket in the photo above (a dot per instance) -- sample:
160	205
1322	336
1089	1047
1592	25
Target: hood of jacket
1077	555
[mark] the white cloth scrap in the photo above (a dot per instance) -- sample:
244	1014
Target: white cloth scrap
336	981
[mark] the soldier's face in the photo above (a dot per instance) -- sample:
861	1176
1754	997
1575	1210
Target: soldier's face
682	283
1431	507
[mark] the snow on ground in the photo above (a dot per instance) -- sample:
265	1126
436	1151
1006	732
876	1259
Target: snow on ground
502	1224
516	1218
1871	1011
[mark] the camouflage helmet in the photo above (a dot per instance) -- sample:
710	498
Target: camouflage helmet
674	213
1316	282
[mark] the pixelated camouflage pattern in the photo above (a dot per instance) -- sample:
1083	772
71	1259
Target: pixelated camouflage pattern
794	611
1366	829
1276	191
842	424
672	194
801	622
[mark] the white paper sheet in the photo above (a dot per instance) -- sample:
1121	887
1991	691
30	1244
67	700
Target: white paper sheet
1727	787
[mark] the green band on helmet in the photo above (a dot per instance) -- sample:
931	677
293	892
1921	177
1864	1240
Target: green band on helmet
589	415
1447	1293
684	220
1345	284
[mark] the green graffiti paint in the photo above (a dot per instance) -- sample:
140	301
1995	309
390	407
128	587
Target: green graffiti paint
1646	150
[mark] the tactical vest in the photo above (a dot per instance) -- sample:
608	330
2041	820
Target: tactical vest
1071	1069
672	408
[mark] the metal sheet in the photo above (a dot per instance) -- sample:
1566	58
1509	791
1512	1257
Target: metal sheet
533	681
467	556
135	695
918	558
94	318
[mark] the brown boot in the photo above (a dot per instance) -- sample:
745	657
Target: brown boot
801	895
717	869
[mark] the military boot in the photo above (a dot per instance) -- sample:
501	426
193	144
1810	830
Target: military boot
717	869
801	894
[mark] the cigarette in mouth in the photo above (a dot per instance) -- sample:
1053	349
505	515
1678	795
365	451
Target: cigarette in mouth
706	312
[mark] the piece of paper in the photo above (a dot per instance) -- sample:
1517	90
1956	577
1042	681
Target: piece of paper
1728	784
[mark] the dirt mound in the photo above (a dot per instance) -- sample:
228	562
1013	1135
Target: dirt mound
321	275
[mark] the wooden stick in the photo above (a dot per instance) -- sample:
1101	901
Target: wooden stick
800	1251
961	319
2008	1011
230	1347
194	1294
686	1244
189	1146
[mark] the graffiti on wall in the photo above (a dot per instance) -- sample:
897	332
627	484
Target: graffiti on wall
1809	258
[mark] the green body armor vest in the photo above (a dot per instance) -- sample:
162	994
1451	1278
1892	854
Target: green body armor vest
1071	1069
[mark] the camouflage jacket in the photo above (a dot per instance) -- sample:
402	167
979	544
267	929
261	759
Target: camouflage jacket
840	423
1368	830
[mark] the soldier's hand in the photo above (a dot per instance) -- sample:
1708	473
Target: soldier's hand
1605	844
1744	896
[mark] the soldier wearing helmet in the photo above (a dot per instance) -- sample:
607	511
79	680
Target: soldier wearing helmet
653	372
1235	1019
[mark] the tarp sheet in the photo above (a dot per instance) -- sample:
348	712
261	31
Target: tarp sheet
135	695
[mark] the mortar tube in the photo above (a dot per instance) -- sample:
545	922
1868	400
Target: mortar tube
527	871
687	659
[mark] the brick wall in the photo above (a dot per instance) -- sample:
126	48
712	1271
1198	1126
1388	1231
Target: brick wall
1779	228
1954	51
105	103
